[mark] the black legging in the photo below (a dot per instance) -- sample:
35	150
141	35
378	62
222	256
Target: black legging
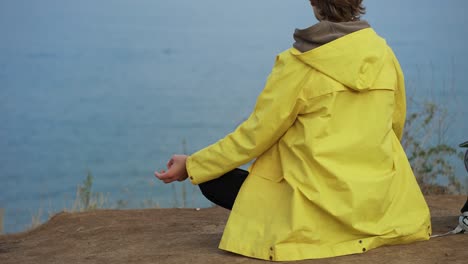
223	190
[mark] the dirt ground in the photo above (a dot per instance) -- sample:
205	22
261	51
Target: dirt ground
191	236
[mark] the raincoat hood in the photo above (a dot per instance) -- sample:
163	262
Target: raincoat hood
350	53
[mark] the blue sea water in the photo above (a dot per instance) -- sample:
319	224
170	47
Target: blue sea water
115	87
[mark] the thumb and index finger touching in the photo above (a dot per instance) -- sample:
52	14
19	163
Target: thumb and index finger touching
162	175
171	173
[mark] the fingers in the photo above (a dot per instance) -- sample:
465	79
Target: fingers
166	177
174	172
160	174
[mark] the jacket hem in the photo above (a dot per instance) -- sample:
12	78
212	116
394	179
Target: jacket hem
303	251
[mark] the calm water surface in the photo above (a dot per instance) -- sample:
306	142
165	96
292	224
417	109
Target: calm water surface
115	87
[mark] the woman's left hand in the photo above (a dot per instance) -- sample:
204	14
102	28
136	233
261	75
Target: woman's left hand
176	170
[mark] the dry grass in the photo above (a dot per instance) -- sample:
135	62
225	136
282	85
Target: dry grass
2	213
36	219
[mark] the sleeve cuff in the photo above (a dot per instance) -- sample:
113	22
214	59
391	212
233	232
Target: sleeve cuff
190	170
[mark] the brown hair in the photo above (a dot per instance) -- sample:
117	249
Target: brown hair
339	10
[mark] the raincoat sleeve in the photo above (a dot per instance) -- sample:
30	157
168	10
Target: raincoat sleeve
399	114
275	111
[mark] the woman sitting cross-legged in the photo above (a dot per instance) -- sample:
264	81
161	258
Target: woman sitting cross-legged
330	176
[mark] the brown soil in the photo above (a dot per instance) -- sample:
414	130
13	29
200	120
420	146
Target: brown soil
191	236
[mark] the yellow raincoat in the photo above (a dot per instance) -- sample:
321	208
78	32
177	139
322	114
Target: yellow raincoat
330	176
